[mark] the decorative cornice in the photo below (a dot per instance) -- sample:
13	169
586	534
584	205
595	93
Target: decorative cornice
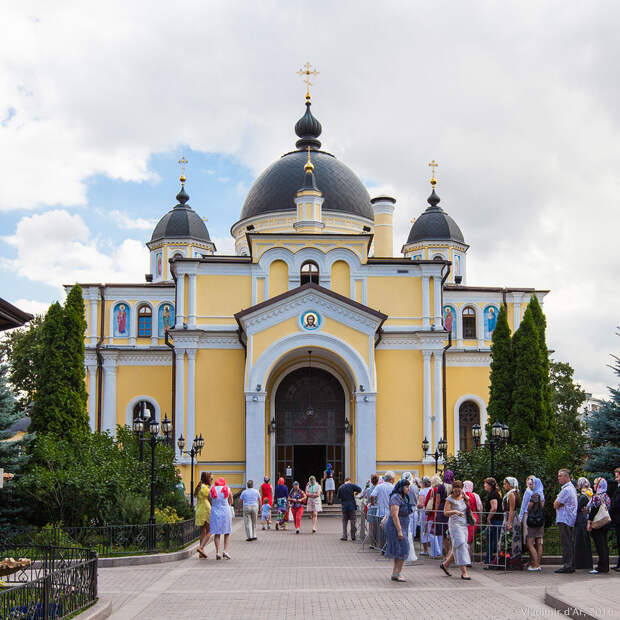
432	341
473	358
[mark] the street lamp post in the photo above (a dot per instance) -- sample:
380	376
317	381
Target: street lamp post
153	432
500	433
440	450
195	450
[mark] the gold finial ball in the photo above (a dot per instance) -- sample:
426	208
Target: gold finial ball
182	178
433	182
309	167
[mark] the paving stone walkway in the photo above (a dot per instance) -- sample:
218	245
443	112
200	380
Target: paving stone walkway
283	575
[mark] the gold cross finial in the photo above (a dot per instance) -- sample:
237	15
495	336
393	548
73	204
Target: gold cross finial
182	161
433	164
307	70
309	167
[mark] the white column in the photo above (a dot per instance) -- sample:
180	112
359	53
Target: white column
179	407
428	431
438	422
191	319
255	436
109	395
426	302
480	326
92	396
437	301
191	396
94	312
365	436
180	301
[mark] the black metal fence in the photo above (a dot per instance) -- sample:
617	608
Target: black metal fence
109	540
59	582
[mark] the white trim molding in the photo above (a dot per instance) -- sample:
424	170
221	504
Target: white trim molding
134	401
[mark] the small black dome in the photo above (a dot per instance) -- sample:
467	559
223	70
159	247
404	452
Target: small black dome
308	129
435	224
182	222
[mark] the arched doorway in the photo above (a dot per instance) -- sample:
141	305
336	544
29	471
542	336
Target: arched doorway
310	425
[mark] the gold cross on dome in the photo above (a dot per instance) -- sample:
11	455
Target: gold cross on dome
433	164
307	70
182	161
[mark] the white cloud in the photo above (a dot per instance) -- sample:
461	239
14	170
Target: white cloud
524	119
32	306
56	248
224	245
125	222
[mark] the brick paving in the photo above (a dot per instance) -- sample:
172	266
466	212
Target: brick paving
284	575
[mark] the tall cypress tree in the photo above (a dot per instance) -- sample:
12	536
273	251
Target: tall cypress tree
541	326
527	421
75	326
502	372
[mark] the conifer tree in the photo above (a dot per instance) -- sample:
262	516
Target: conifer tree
75	326
604	428
502	372
541	325
527	420
50	410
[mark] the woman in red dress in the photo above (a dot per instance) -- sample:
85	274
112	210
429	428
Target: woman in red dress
266	492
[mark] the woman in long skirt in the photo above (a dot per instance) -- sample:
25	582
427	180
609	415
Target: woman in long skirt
455	510
509	550
425	538
396	528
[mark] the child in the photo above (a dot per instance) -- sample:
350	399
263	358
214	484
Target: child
266	514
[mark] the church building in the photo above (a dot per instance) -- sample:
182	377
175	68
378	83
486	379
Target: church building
315	343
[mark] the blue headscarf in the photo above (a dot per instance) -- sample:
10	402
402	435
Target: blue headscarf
527	496
539	488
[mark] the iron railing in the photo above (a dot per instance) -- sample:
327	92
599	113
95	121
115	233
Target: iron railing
109	540
59	582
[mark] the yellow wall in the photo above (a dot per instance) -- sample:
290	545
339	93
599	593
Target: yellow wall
153	381
267	337
341	279
222	295
400	405
357	340
395	296
220	403
278	278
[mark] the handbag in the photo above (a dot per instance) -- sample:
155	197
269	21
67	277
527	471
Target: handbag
232	512
602	518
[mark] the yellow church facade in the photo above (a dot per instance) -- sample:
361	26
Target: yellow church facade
314	343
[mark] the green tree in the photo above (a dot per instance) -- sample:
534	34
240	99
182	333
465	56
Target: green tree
567	399
75	326
604	428
547	392
528	420
502	372
19	349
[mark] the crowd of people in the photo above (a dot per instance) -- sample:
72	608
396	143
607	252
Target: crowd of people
445	513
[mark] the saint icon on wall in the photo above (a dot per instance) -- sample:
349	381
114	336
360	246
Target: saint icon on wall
158	264
449	323
310	320
121	321
166	318
490	321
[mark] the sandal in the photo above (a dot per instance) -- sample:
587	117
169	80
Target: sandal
466	578
397	577
445	570
201	553
218	556
225	554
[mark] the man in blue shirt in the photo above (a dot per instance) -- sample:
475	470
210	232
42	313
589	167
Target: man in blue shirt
566	514
251	499
346	495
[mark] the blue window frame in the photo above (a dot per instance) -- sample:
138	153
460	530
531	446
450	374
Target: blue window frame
144	322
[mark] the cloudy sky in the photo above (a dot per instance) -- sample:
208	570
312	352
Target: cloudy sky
518	101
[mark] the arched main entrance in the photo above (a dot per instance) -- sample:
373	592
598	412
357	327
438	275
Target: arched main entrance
310	425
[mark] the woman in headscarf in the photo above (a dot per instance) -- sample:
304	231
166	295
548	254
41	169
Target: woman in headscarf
456	511
535	522
314	506
266	492
510	549
439	542
529	486
424	535
281	499
413	502
296	499
221	520
583	544
600	498
396	527
475	505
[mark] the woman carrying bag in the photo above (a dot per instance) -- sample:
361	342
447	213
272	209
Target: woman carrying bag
598	524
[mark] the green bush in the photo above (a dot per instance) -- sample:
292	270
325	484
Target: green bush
166	515
133	510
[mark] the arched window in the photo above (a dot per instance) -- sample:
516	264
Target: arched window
309	273
144	408
438	257
469	414
145	321
177	255
469	323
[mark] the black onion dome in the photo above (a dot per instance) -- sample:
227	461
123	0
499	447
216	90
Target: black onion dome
275	189
308	129
435	224
182	222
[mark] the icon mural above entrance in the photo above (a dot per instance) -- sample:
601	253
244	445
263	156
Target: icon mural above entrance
310	320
